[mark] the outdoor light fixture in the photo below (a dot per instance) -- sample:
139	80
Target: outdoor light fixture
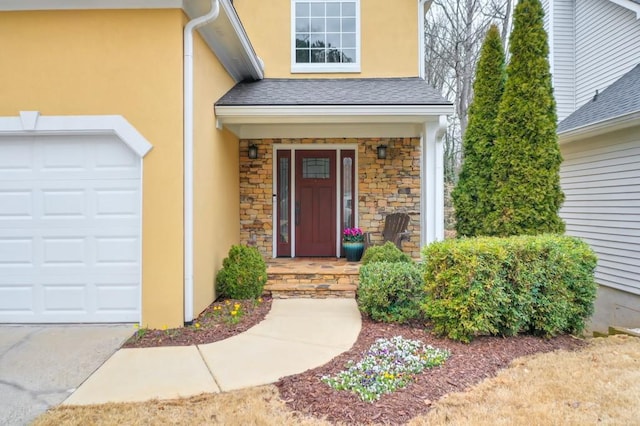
253	152
382	152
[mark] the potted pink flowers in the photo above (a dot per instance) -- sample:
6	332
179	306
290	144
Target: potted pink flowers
353	243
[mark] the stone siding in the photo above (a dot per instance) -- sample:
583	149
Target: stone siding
384	186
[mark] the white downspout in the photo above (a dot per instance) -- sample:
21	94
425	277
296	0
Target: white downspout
188	154
421	42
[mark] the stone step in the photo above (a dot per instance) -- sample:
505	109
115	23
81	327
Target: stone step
312	278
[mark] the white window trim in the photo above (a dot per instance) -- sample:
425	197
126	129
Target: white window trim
352	67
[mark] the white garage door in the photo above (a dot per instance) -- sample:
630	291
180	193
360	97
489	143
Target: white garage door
69	229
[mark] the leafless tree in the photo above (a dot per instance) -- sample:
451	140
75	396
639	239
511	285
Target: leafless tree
454	32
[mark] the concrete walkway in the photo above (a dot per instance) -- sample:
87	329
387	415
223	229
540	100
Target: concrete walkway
296	335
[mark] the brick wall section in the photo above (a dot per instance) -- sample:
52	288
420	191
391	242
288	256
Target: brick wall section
384	186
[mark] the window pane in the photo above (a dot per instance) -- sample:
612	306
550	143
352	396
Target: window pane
302	25
333	25
347	200
317	9
302	56
333	40
302	9
348	55
316	168
302	40
334	56
317	40
349	8
317	56
284	200
333	9
349	25
349	40
317	25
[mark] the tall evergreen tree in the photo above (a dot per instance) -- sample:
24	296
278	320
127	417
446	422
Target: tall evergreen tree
526	155
472	196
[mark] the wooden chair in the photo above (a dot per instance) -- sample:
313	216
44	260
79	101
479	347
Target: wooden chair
395	230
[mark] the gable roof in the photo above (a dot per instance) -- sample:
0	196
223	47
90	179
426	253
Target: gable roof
620	99
349	91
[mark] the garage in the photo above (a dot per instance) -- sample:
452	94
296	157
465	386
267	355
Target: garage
70	228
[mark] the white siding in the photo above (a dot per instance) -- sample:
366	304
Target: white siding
564	57
601	183
607	45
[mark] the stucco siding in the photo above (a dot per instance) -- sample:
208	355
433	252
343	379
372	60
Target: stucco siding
606	45
600	179
216	181
123	62
389	37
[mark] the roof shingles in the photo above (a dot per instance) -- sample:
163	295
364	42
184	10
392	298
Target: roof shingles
348	91
620	98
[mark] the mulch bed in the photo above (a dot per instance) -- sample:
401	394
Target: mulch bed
212	328
468	364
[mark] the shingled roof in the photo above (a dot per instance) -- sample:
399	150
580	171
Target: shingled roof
349	91
619	99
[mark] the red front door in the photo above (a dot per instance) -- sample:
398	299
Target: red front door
315	209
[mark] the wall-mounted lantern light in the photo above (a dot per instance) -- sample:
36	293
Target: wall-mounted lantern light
382	152
253	152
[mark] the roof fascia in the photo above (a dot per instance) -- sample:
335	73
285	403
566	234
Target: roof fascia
599	128
634	7
330	113
227	38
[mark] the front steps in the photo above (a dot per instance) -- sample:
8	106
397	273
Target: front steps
312	278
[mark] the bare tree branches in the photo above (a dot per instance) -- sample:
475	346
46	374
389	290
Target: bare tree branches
454	31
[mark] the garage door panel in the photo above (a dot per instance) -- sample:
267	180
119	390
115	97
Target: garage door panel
117	250
15	204
16	251
69	230
16	298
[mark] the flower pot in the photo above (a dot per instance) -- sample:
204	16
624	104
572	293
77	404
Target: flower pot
353	250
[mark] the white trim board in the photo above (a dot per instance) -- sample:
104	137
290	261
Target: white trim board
31	122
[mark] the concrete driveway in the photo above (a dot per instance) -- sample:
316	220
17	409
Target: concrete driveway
41	365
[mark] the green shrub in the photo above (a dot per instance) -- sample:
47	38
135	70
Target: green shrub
243	274
391	292
538	284
385	253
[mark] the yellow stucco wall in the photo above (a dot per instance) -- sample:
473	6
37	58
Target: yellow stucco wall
113	62
389	37
216	177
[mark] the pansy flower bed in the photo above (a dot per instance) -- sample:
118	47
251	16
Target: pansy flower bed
388	365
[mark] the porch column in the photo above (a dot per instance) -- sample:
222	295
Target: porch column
432	187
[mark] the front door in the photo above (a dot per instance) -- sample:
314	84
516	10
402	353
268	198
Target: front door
315	203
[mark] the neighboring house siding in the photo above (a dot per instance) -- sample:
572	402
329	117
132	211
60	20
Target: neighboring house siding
606	45
602	187
563	51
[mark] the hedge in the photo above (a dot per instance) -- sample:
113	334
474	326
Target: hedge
503	286
391	292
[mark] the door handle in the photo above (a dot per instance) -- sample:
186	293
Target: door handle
297	213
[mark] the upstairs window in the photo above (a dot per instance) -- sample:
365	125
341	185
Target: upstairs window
325	36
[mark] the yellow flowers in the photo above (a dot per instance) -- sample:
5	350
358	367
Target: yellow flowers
234	313
388	376
197	325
